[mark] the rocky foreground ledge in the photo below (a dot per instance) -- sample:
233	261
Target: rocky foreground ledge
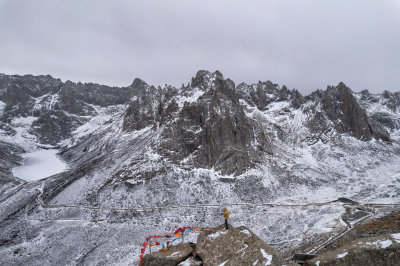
381	250
236	246
240	246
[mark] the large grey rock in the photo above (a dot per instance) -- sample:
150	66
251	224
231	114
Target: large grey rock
343	110
214	130
141	111
381	250
235	246
173	256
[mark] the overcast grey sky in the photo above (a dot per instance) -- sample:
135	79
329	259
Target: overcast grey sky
304	44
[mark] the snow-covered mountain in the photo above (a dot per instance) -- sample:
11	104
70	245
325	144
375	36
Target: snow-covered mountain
143	160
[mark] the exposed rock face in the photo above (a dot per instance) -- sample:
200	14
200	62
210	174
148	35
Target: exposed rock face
54	126
172	257
262	94
235	246
141	111
344	111
58	105
382	250
383	116
214	131
9	158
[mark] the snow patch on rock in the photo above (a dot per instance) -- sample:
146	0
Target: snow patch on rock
396	237
267	256
217	234
342	255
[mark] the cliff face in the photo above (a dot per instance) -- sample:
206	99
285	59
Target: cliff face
211	130
344	111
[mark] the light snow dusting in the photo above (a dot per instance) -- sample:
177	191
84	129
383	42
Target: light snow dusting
191	97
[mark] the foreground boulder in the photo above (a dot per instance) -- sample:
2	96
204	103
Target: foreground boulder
381	250
173	256
236	246
191	261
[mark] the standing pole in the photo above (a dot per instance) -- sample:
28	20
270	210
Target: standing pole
150	245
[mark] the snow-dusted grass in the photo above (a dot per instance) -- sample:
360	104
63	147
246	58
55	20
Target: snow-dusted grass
39	164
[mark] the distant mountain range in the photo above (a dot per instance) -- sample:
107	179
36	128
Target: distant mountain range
208	142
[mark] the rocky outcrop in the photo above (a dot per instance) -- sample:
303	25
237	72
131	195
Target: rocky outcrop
9	158
342	108
141	111
235	246
212	129
54	126
385	117
381	250
262	94
76	98
172	257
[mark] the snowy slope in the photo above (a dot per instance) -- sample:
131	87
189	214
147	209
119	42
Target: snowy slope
151	160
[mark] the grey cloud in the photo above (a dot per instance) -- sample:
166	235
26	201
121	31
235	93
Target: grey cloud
303	44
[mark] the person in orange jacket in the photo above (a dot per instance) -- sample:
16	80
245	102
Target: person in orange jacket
226	216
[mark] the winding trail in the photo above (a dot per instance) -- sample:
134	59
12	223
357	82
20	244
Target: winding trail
171	207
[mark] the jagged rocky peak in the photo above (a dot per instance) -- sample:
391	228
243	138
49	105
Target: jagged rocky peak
391	100
34	86
212	130
204	79
18	93
138	83
262	94
142	108
365	95
343	110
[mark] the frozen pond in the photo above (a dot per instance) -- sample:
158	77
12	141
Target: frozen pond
39	164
